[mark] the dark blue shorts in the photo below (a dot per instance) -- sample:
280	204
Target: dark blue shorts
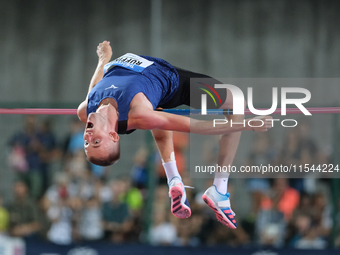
190	94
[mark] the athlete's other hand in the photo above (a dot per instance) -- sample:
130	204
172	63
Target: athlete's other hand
104	52
255	124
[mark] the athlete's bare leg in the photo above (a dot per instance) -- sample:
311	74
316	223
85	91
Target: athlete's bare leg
164	142
179	204
228	145
216	197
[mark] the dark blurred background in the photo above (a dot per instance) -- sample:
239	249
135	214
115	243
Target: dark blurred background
48	47
50	194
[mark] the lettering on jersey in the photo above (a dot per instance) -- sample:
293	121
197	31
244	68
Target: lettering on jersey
130	61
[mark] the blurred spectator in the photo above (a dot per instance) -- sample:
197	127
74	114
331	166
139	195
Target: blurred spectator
116	216
311	222
133	197
281	197
60	215
322	214
307	234
61	183
208	226
270	227
305	141
22	213
139	172
90	225
161	198
44	221
48	151
337	240
85	185
277	209
300	148
26	147
75	140
162	232
305	204
32	152
103	191
186	234
290	149
77	165
263	153
233	237
76	204
4	218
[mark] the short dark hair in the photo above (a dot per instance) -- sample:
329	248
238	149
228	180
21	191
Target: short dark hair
112	158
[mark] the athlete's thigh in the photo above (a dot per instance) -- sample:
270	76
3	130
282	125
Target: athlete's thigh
192	85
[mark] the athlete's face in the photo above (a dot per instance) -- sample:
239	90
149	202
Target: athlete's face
99	140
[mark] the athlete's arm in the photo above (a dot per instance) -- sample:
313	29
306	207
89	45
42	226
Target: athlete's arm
104	52
144	118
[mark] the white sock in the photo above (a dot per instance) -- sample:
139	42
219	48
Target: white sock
171	170
221	182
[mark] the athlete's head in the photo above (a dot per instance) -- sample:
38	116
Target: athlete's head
101	140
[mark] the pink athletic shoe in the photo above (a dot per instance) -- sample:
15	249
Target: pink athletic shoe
179	204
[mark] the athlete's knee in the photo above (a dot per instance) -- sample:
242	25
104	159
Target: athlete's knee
160	135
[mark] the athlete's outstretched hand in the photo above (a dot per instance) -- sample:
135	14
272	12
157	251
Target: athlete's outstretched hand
104	52
256	124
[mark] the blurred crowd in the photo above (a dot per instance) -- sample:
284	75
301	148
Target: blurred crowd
81	203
